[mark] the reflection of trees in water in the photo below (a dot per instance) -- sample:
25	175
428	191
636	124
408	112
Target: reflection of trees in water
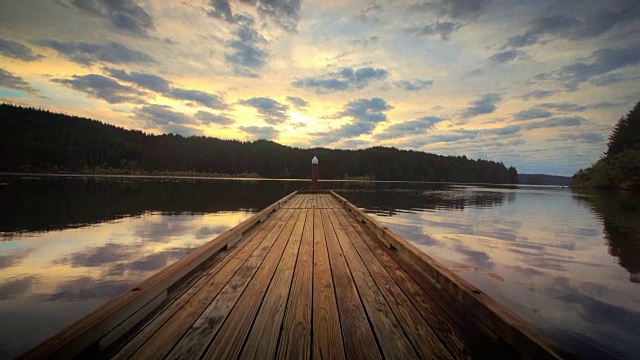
57	203
620	214
392	202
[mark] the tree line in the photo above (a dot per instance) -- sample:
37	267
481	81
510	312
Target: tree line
620	165
34	140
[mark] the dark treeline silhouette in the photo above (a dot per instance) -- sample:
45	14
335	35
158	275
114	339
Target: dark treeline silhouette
33	140
54	203
620	165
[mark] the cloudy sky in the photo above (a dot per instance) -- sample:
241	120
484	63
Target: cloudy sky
534	84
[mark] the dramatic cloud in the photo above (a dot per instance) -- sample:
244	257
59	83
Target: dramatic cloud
505	57
566	106
13	49
209	118
104	88
163	86
147	81
366	114
459	13
163	115
416	85
367	110
86	54
443	29
486	104
10	81
345	78
260	132
589	138
412	127
123	15
538	94
454	9
455	135
298	102
578	20
284	13
272	111
557	122
600	62
198	97
246	51
533	113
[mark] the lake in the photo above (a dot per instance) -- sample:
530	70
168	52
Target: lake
565	261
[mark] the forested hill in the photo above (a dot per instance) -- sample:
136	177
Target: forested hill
544	179
34	140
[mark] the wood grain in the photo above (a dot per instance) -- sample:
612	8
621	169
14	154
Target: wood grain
424	340
88	330
265	332
359	340
194	343
327	334
295	337
390	334
522	337
226	283
228	342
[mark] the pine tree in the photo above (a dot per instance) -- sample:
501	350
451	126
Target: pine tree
626	133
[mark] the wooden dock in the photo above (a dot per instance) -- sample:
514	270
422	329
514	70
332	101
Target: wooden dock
311	276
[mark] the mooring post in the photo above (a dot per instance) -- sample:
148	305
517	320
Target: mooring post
314	173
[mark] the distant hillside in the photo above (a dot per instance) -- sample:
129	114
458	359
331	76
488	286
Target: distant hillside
543	179
34	140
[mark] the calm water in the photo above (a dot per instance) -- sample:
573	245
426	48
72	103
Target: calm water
569	263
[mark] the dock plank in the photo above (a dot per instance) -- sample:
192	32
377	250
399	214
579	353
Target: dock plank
230	339
309	277
460	344
161	318
200	333
327	334
295	337
360	342
422	337
265	332
390	334
171	331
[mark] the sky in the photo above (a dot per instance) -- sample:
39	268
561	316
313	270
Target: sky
534	84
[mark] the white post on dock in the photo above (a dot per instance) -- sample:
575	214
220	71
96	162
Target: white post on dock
314	173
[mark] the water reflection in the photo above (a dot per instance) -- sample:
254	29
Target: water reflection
548	254
429	198
561	260
58	203
84	241
620	214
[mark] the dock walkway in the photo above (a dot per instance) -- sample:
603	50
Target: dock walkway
311	280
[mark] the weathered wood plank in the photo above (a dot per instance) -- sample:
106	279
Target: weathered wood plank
456	339
263	338
295	337
360	341
252	241
424	340
324	200
388	330
194	343
230	339
487	312
327	334
227	283
88	330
